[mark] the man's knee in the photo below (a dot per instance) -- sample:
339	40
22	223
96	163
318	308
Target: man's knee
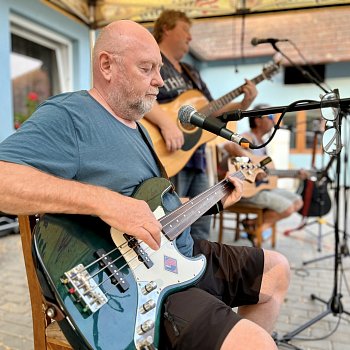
240	337
276	274
298	204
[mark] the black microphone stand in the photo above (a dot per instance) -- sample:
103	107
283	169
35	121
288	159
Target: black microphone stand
333	304
344	249
304	72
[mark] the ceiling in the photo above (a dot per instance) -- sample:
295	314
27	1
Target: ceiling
97	13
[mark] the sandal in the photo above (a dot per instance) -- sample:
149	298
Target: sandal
249	226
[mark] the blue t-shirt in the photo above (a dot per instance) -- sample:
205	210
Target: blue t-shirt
72	136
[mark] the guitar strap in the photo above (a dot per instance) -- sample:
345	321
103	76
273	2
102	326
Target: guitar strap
195	80
155	156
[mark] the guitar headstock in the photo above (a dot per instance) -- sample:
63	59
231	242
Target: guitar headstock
271	68
246	167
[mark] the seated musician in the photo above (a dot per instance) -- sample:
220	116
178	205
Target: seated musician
279	203
85	153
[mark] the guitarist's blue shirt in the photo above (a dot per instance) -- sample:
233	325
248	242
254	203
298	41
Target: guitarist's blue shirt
72	136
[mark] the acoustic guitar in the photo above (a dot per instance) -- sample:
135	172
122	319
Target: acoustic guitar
260	164
109	285
194	137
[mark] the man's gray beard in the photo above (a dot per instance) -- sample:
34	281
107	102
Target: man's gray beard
130	111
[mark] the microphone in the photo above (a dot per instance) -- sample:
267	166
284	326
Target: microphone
256	41
188	114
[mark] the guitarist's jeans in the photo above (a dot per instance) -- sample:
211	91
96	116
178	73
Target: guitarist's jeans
189	183
201	317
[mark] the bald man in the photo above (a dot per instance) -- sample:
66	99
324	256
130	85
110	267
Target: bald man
84	153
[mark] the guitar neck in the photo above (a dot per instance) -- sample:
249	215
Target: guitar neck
283	173
217	104
183	217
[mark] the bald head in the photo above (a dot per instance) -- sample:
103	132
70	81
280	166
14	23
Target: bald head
126	69
121	36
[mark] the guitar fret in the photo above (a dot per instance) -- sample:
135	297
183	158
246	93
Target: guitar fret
175	222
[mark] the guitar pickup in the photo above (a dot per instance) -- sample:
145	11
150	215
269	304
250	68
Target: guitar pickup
116	276
83	289
141	254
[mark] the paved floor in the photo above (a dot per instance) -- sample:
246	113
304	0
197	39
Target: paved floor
299	247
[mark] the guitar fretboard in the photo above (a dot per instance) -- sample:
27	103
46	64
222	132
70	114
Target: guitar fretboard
217	104
178	220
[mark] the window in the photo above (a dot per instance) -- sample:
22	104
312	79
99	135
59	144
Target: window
40	66
306	130
293	75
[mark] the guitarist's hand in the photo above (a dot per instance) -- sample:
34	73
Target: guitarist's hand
172	135
133	217
303	174
236	193
250	92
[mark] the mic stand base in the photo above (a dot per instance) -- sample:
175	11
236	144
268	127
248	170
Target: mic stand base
334	306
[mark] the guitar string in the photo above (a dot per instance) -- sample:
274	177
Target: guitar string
224	185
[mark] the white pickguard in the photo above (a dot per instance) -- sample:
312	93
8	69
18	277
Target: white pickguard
170	270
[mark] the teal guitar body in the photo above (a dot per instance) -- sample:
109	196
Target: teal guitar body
110	286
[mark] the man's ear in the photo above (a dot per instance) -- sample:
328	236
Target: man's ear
105	64
165	29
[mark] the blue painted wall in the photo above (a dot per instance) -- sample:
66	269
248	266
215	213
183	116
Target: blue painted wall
36	12
222	77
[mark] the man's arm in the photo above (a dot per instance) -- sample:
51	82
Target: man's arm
26	190
235	150
172	135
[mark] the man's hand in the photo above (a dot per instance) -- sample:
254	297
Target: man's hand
303	174
250	92
172	136
236	193
133	217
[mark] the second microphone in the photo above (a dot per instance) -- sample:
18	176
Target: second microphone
188	114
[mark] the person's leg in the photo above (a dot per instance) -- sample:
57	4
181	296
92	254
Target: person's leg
240	337
273	289
202	317
279	204
195	319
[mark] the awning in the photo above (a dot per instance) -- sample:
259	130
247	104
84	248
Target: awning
97	13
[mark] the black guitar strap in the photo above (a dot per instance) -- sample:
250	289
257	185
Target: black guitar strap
195	80
155	156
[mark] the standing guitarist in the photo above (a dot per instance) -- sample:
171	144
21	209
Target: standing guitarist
172	32
279	203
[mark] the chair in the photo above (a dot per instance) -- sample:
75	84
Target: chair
216	156
247	209
47	334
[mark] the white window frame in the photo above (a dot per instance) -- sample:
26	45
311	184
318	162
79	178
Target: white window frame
45	37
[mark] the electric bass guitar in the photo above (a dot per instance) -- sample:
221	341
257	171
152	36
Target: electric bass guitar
111	286
194	137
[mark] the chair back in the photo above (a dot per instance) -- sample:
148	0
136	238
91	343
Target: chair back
47	334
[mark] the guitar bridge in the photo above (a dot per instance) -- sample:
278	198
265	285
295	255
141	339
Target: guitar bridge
84	289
